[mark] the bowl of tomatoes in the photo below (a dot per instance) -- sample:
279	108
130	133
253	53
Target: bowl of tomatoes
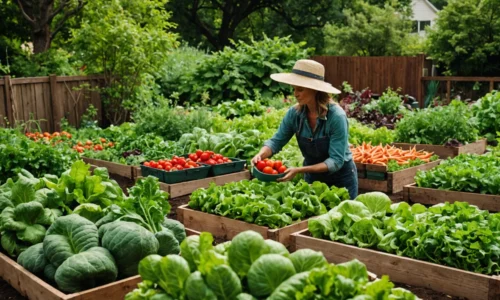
269	170
174	170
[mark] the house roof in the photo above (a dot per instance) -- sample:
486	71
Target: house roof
431	6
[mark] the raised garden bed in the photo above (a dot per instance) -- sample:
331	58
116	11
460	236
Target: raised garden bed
34	288
185	188
478	147
113	168
227	228
410	271
414	194
377	178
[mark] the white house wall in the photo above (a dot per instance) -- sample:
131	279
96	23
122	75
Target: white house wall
422	11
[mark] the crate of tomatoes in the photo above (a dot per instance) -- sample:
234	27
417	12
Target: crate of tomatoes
175	170
219	164
269	170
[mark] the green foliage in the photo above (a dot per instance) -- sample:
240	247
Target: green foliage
239	108
393	165
52	61
243	71
269	204
458	235
389	103
438	125
180	61
359	133
250	270
19	152
127	41
369	31
465	173
487	113
170	122
466	38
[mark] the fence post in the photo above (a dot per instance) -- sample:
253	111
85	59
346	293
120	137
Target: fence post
448	91
8	100
491	86
56	104
419	85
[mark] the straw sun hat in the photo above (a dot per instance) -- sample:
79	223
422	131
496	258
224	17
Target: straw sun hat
309	74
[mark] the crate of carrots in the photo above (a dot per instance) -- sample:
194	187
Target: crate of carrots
388	168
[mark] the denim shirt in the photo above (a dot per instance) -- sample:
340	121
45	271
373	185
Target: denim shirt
335	125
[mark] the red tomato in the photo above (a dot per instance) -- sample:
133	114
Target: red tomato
228	160
173	169
274	172
167	164
219	161
88	142
167	167
146	164
277	164
211	162
103	140
217	156
174	161
153	164
181	161
162	161
270	163
193	156
261	165
199	152
282	169
192	163
205	156
268	170
179	167
159	167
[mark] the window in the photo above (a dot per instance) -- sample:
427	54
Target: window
418	26
414	26
424	24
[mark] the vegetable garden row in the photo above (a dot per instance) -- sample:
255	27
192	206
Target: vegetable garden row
69	231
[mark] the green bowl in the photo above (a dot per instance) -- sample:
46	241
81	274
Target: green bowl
265	177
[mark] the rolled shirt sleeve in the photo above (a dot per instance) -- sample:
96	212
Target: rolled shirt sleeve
338	143
285	132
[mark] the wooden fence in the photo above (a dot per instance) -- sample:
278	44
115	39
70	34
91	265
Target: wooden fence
377	73
48	99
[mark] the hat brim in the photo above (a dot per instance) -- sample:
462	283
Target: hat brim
303	81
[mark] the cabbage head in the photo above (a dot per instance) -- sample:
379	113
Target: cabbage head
86	270
128	243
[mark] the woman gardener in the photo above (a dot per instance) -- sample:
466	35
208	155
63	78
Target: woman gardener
321	129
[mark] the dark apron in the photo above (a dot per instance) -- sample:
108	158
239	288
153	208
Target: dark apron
315	151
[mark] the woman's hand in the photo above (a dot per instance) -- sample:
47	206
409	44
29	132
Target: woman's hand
256	159
290	174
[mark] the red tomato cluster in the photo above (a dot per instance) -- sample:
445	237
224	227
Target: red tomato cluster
89	145
174	164
273	167
208	157
46	136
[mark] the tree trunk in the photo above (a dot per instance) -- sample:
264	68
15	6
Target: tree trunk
41	39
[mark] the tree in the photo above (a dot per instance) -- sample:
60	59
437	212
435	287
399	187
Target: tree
127	42
466	38
439	4
47	18
219	21
369	31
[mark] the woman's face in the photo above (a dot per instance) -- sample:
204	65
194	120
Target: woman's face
304	95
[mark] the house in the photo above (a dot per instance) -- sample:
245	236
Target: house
424	14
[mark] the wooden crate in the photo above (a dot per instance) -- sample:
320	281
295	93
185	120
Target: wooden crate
478	147
392	182
410	271
185	188
113	168
34	288
414	194
227	228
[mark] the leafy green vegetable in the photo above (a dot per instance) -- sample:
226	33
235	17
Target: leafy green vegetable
466	173
249	273
486	112
393	165
33	259
138	242
457	235
438	125
86	270
269	204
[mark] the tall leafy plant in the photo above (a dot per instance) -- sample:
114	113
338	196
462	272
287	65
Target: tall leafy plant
126	41
487	112
243	71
